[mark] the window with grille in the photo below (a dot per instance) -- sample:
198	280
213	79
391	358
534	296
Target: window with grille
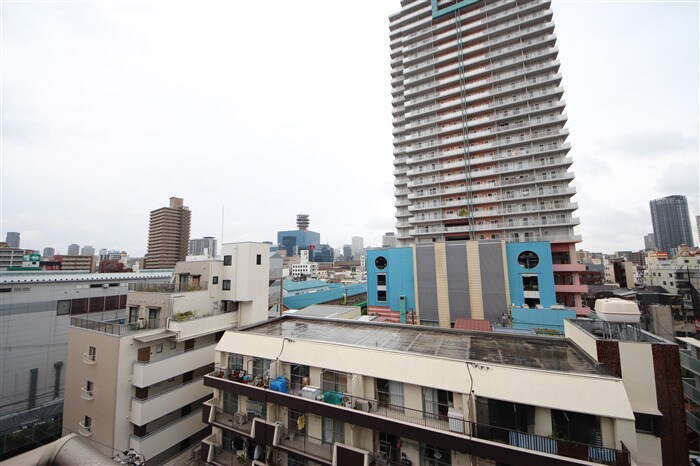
235	362
332	381
389	393
261	367
230	402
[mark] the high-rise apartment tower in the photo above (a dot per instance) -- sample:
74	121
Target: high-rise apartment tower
168	235
480	149
671	222
480	144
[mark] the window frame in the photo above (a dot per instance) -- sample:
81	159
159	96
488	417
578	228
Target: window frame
226	285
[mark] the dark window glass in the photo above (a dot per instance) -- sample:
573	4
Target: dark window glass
381	296
381	279
227	260
214	280
226	285
63	307
258	259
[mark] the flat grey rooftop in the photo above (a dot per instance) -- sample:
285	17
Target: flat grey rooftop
546	353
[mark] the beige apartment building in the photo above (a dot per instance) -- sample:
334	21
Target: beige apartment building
168	235
360	393
138	382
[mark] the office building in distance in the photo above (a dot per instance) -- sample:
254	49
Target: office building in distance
301	239
671	222
12	239
203	246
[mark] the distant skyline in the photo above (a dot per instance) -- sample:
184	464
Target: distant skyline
109	109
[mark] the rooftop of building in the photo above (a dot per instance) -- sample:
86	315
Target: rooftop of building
308	284
545	353
77	276
319	297
326	311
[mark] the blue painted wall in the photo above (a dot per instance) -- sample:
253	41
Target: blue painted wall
543	270
399	277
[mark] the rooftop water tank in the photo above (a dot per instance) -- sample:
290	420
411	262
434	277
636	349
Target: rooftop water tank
617	310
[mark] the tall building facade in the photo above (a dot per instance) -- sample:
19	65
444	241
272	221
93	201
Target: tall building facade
203	246
168	235
12	239
87	250
671	222
480	147
73	250
49	253
389	240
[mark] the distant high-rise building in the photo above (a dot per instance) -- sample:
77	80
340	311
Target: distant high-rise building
357	247
649	242
12	239
87	251
671	222
73	250
347	252
697	225
389	240
203	246
103	252
324	253
168	235
300	239
49	253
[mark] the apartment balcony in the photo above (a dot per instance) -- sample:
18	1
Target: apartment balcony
170	434
149	409
484	70
503	155
147	373
168	287
568	268
689	362
115	328
449	432
202	324
488	32
88	358
551	65
570	288
690	391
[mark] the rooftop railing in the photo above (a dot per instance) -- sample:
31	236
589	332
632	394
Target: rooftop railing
116	328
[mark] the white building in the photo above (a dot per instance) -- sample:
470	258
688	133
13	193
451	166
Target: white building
137	383
35	312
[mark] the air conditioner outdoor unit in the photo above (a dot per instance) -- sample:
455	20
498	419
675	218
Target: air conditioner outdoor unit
362	405
373	406
240	418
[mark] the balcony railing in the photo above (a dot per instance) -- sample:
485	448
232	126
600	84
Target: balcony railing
456	425
693	421
88	358
689	362
691	392
167	287
306	444
115	328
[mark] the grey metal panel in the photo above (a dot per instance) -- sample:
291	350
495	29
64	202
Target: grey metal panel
458	280
493	287
427	283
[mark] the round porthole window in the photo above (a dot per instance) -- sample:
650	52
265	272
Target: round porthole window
528	259
380	262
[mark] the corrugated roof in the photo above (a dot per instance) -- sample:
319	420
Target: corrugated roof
320	297
296	286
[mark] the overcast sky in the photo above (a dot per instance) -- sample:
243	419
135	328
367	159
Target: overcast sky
108	109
